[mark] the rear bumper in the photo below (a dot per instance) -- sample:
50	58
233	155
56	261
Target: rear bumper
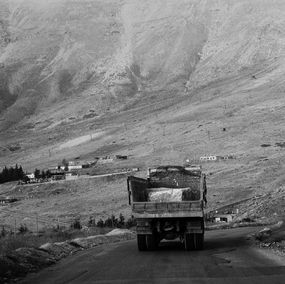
147	215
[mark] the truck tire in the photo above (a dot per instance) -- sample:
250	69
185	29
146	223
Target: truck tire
189	241
193	241
199	241
151	242
141	241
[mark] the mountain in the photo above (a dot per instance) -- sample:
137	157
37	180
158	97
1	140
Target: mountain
156	80
104	54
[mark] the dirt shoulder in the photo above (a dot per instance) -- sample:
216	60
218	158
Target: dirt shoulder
22	261
272	238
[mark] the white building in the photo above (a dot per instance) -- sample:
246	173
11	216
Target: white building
31	176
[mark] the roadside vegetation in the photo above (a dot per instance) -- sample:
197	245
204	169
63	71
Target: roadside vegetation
24	238
12	174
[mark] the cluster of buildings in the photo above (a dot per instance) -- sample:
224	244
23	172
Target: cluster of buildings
69	171
214	158
223	215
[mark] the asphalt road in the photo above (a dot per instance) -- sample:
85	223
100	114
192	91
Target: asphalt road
227	258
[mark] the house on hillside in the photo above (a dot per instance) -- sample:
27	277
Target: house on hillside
70	176
211	158
7	200
105	160
74	167
121	157
224	218
31	177
57	174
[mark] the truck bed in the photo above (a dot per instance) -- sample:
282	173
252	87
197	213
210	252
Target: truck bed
167	210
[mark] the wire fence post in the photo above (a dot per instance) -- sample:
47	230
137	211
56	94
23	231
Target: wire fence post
37	224
15	227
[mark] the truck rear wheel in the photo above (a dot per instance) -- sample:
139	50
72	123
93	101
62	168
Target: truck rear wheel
141	241
151	242
188	241
193	241
199	241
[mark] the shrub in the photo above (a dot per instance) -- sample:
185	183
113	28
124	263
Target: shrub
23	229
76	224
3	232
91	222
131	222
121	222
100	223
108	222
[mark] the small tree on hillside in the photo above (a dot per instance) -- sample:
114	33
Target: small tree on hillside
100	223
76	224
21	173
91	222
43	174
37	174
48	174
121	222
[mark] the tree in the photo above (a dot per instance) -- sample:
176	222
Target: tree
100	223
131	222
23	229
5	174
21	173
48	174
43	174
37	174
76	224
16	173
108	222
26	179
3	232
121	222
91	222
11	174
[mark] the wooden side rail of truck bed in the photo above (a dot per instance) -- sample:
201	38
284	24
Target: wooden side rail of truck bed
167	210
152	207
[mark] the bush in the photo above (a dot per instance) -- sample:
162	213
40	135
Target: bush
131	222
76	224
121	222
91	222
109	222
100	223
3	232
23	229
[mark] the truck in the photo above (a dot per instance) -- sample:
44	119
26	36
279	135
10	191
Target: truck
169	204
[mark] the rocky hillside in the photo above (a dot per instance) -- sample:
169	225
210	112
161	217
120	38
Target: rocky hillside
155	80
61	58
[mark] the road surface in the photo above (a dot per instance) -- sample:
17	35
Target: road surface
228	257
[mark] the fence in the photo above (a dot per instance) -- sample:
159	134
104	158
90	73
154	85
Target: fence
33	222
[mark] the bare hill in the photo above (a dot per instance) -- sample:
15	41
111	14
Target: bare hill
61	58
157	80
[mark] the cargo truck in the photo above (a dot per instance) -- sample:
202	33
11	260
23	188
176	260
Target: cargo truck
169	204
